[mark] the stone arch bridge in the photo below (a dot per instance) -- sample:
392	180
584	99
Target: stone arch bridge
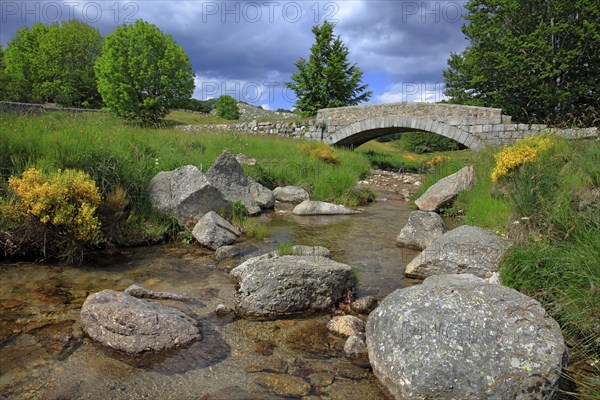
474	127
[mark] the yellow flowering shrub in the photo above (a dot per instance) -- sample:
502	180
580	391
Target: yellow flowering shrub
66	200
437	160
524	150
320	151
410	158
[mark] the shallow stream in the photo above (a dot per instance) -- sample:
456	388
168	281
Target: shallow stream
44	355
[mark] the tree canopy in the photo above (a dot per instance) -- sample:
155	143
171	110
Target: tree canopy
538	60
53	63
327	79
227	108
143	72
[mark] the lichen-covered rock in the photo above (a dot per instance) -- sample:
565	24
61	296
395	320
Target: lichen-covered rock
421	229
213	231
240	250
227	175
346	325
186	194
310	251
464	250
363	305
290	194
125	323
310	207
458	337
272	286
446	189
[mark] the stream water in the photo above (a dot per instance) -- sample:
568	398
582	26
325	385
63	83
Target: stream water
44	355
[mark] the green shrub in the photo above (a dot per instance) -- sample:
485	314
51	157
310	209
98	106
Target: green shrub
227	108
426	142
320	151
285	249
358	196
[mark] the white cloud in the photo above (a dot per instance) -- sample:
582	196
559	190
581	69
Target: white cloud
412	92
264	92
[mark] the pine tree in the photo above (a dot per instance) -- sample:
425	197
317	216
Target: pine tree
327	79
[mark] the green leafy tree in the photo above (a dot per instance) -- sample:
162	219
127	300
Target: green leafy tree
19	56
143	73
538	60
3	80
65	64
227	108
53	63
327	79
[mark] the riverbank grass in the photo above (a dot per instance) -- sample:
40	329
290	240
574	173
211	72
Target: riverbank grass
549	207
119	156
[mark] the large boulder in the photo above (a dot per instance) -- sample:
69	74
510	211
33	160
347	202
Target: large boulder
290	194
421	229
213	231
125	323
458	337
272	286
446	189
228	176
310	207
466	249
186	194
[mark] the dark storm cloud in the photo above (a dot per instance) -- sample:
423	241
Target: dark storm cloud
259	41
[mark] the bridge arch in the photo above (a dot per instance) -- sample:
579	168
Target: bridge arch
360	132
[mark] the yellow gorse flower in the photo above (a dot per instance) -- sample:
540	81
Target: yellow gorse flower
67	199
524	150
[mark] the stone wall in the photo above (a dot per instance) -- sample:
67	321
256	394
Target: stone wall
298	130
505	134
28	108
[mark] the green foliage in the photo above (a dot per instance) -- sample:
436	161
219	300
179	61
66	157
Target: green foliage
143	72
285	249
327	79
186	237
227	108
358	196
239	212
203	106
116	154
53	63
426	142
20	57
3	77
65	65
537	60
320	151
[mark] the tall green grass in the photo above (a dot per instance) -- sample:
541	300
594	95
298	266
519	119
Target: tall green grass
115	154
121	155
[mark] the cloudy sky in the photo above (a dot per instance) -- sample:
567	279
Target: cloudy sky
247	49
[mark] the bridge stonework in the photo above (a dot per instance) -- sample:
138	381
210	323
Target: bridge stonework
474	127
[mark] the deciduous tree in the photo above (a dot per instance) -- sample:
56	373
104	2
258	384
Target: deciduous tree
143	72
538	60
227	108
